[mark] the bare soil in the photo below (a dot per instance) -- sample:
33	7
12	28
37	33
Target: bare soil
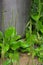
25	60
0	62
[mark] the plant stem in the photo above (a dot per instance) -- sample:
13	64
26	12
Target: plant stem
2	56
2	53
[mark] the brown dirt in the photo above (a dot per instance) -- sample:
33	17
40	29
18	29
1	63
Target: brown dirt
0	62
25	60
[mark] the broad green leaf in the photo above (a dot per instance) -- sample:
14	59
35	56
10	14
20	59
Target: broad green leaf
40	26
28	49
37	49
14	56
18	37
41	29
7	62
1	35
27	35
35	17
10	32
23	44
15	45
0	44
31	38
23	50
41	54
5	47
36	1
42	10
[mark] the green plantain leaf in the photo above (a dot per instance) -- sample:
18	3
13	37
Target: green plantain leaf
30	38
10	32
14	57
7	62
15	45
40	26
5	47
23	44
0	44
35	17
1	35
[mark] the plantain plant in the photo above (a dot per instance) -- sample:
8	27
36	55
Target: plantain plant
34	30
9	45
